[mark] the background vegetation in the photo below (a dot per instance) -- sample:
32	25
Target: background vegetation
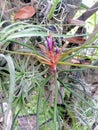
48	65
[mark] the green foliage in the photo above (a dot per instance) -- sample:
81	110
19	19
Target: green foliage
26	78
54	5
12	77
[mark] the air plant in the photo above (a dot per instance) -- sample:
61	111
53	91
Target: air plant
51	57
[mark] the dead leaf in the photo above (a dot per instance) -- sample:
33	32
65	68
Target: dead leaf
25	12
76	40
76	22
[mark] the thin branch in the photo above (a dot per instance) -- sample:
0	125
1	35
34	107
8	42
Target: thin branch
89	12
86	14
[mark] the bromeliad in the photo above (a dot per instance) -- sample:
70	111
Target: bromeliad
51	54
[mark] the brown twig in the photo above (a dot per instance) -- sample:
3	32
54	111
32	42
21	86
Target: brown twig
86	14
89	12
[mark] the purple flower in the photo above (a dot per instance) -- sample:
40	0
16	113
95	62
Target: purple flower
57	50
50	43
